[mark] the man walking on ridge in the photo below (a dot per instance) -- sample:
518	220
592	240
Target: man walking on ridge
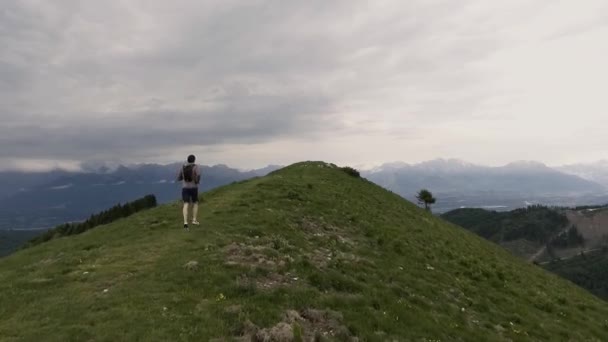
190	177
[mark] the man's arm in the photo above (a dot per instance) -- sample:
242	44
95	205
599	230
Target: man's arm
180	175
197	175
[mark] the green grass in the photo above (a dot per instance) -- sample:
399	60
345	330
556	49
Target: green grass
347	255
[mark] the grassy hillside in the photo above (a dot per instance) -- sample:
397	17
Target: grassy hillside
306	252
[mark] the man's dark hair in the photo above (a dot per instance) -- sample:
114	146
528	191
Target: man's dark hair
191	158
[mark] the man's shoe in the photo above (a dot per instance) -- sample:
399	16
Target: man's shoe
186	226
196	223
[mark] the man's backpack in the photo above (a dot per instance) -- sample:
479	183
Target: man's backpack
188	172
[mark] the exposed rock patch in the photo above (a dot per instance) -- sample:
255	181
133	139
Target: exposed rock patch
191	265
307	325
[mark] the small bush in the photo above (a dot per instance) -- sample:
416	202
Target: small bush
254	233
398	247
278	243
294	196
334	281
243	287
351	172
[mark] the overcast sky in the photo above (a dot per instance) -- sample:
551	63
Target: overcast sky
250	83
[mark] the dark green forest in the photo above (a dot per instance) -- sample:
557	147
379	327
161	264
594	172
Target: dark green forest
569	238
588	270
535	223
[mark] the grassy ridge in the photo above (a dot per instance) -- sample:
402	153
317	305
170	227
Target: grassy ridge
309	251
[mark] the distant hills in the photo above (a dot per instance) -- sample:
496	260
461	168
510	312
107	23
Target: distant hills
526	231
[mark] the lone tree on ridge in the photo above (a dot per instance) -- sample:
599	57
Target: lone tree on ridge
426	197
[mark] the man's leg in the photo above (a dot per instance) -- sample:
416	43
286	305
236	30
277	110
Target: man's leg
185	212
195	213
185	208
195	206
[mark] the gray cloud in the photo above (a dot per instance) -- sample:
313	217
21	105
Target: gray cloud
240	119
127	79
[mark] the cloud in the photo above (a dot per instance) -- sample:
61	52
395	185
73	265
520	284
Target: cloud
253	119
148	80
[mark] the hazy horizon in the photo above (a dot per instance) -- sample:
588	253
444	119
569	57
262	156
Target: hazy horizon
249	84
45	166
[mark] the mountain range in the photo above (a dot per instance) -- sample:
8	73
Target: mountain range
461	184
451	175
43	199
596	172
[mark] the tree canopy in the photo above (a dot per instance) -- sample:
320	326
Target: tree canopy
426	197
